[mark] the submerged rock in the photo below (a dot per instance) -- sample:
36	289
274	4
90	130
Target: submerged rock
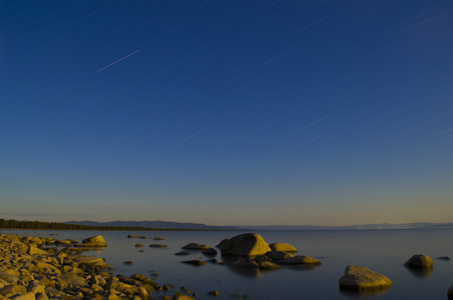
213	293
282	247
419	261
158	245
444	258
359	278
247	244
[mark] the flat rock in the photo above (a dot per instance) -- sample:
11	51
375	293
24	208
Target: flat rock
158	246
300	259
74	279
195	262
267	265
419	261
247	244
131	236
9	277
88	260
195	246
282	247
359	278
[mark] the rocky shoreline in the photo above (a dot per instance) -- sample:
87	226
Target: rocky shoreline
30	271
42	268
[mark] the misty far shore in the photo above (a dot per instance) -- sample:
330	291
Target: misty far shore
167	225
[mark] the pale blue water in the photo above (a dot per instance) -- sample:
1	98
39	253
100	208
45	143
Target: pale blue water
383	251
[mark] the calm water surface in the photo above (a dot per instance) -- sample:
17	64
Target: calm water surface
383	251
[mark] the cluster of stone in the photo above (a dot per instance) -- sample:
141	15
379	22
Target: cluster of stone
250	250
29	271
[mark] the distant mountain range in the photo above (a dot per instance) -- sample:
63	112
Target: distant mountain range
199	226
156	225
419	225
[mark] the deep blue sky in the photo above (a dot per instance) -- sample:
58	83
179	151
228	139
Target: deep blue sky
227	112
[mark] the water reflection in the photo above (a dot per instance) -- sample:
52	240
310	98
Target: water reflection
245	271
366	293
304	267
420	272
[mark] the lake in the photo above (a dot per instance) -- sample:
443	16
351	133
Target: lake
383	251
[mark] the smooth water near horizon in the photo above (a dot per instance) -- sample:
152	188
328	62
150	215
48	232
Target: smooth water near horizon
383	251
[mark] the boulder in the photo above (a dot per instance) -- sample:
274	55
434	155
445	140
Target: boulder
179	296
278	255
209	251
94	242
222	243
360	278
247	244
282	247
299	260
419	261
195	246
33	250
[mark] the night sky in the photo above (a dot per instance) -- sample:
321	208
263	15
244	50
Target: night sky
227	112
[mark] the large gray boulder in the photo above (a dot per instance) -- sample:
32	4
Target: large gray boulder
282	247
247	244
360	278
419	261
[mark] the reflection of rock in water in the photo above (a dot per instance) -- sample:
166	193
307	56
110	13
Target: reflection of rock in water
364	293
245	271
420	272
304	267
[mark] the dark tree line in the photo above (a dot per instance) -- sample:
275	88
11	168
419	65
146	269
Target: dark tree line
14	224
